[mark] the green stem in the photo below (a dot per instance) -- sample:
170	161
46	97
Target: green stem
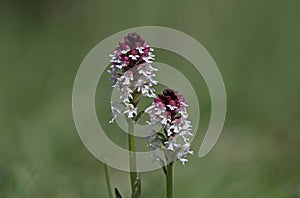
169	180
132	157
107	181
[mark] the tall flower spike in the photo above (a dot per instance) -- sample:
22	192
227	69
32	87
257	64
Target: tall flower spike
168	112
131	71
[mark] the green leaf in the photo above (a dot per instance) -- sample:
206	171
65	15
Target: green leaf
162	136
138	115
118	195
137	188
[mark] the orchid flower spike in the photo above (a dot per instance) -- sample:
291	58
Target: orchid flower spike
131	73
168	114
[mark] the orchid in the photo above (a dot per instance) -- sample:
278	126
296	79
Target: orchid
134	77
131	72
168	112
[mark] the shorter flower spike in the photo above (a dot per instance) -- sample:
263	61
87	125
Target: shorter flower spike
168	112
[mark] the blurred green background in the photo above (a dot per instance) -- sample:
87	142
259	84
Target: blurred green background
255	44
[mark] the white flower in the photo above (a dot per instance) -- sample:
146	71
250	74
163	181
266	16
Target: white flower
131	111
115	109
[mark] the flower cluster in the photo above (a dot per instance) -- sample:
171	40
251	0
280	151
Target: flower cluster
168	113
131	71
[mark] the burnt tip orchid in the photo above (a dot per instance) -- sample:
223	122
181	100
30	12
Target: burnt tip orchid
133	76
170	128
131	73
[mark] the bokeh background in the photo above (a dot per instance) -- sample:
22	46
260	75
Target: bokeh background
255	44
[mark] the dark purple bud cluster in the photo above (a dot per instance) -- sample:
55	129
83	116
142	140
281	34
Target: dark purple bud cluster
134	50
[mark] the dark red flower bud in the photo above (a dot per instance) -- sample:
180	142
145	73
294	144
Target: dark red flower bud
157	100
